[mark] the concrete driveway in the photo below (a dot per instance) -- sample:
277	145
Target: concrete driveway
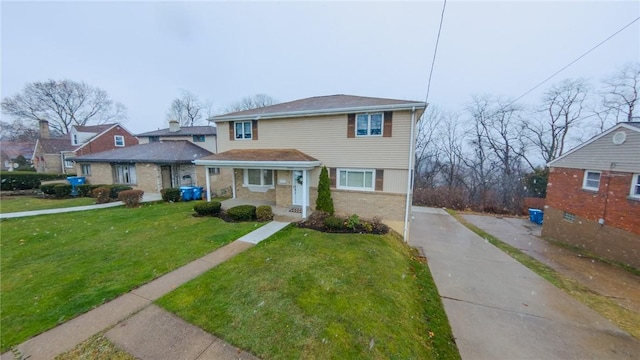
499	309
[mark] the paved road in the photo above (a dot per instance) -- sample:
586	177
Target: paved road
499	309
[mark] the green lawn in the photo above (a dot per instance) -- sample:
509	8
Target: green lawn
306	294
29	203
55	267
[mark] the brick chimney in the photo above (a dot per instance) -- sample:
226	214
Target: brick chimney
44	129
174	126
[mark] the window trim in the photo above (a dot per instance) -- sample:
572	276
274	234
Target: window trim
115	140
635	181
585	178
262	185
243	137
346	187
87	167
368	134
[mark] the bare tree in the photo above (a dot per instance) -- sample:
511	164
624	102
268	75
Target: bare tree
18	131
563	104
63	103
252	102
187	109
427	153
621	92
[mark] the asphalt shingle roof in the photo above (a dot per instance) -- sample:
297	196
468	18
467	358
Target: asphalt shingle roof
56	145
261	155
170	152
184	131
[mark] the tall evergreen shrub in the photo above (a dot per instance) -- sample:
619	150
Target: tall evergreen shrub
324	202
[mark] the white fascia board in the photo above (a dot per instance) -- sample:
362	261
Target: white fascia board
275	165
303	113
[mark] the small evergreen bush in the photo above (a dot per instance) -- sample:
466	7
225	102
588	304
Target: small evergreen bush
205	208
62	190
171	194
101	194
47	189
264	213
131	198
333	223
324	202
242	213
85	190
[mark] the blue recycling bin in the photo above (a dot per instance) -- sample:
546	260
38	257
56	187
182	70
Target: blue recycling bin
75	181
536	216
197	192
186	192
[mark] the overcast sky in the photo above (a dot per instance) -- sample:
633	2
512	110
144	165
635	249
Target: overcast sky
144	53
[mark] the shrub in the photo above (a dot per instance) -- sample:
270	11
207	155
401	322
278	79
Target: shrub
19	180
85	190
264	213
324	202
101	194
171	194
352	222
115	189
205	208
47	189
242	212
131	198
62	190
333	223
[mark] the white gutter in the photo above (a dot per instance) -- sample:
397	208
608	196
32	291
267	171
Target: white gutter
302	113
409	176
275	165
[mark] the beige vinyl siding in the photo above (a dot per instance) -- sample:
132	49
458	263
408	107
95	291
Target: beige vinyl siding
603	154
395	181
325	138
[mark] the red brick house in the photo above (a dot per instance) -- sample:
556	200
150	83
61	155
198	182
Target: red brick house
593	195
55	155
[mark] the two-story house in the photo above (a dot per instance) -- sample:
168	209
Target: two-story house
56	155
163	159
275	154
593	195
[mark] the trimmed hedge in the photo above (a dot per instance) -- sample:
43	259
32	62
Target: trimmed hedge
171	194
115	189
48	189
242	212
131	198
101	194
62	190
19	180
264	213
205	208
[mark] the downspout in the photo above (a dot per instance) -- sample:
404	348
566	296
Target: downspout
208	182
409	175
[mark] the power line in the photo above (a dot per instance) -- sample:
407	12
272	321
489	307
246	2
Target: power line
435	51
573	62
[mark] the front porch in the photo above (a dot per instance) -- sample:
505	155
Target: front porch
290	213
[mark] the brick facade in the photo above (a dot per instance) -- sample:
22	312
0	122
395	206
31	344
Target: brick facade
618	238
106	141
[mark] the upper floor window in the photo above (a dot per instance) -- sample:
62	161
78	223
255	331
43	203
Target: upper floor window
635	186
154	138
75	139
198	138
353	179
369	124
591	180
242	130
119	140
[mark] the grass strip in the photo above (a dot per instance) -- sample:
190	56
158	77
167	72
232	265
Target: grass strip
625	319
55	267
307	294
29	203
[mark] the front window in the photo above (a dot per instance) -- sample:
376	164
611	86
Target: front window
635	186
198	138
125	174
85	169
591	180
369	124
352	179
243	130
214	171
258	177
119	140
68	163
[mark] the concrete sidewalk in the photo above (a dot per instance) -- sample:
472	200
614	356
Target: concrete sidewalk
145	198
151	333
499	309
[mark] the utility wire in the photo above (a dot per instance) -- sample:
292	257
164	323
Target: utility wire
571	63
435	51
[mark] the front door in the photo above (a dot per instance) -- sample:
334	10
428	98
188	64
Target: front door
297	187
166	176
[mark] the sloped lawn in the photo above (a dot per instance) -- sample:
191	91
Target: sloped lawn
9	204
55	267
305	294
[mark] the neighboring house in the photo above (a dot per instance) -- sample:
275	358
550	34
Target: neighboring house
56	155
593	195
10	151
276	153
149	167
203	136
